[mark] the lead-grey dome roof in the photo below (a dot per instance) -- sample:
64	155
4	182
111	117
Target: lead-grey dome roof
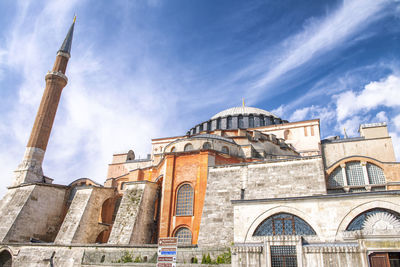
242	111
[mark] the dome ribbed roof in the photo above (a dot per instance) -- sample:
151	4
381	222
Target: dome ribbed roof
241	111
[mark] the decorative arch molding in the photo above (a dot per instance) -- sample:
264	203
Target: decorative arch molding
6	260
353	213
378	163
280	209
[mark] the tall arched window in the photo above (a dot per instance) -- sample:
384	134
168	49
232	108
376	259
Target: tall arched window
188	147
262	121
283	224
251	121
184	201
184	236
219	123
240	121
229	122
368	219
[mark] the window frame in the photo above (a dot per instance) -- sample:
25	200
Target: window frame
186	212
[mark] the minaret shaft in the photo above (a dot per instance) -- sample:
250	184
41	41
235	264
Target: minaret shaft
30	169
48	106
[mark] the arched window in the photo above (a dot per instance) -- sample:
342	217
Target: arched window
184	201
367	220
219	123
184	236
283	224
262	121
354	173
209	126
207	145
375	174
336	178
225	150
5	259
173	149
251	121
287	134
229	122
240	121
201	128
188	147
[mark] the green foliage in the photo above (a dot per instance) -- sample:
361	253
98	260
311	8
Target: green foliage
194	260
127	257
208	259
138	259
224	258
203	260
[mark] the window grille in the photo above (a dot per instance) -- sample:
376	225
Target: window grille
375	174
283	224
188	147
184	201
184	236
283	256
354	173
229	122
336	178
358	222
251	121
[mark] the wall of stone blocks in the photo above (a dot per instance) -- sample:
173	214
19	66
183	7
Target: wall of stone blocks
27	213
81	224
259	180
134	222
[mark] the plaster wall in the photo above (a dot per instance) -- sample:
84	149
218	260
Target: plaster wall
380	149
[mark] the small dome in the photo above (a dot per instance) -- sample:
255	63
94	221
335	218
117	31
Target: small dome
242	111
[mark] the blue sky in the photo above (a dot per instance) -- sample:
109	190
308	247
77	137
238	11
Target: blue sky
148	69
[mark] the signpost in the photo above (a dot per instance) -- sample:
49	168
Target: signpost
167	252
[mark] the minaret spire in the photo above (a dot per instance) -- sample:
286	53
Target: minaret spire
30	170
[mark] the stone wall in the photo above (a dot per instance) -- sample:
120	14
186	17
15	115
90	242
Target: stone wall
259	180
32	211
81	224
134	222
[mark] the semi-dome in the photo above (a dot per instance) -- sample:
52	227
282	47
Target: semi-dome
237	118
235	111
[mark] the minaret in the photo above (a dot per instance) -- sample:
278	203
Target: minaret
30	169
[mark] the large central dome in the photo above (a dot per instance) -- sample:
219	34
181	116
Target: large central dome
237	118
236	111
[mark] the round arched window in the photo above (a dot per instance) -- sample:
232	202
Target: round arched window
207	145
188	147
370	218
184	236
184	201
283	224
225	150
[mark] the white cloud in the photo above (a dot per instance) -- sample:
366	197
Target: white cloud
319	36
384	92
381	117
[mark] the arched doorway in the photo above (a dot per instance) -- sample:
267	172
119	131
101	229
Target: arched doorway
5	259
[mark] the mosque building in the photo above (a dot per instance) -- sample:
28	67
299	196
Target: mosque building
245	187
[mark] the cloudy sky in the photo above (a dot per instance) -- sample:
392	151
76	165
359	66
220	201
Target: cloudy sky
147	69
